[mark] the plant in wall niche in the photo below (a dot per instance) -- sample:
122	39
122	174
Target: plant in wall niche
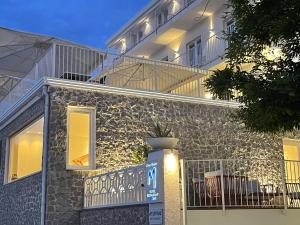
140	154
161	137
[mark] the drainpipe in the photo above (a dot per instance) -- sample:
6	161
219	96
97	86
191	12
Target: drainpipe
45	154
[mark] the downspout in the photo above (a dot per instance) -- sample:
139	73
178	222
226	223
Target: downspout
45	154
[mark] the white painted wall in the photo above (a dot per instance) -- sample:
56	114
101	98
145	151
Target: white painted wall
244	217
214	24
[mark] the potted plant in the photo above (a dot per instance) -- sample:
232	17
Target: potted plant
161	138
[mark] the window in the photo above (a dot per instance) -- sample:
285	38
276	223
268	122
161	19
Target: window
165	14
159	20
291	150
194	50
199	52
25	151
81	138
141	35
188	2
162	17
230	27
134	39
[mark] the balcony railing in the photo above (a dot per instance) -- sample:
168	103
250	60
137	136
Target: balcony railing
242	183
213	49
90	65
60	61
122	187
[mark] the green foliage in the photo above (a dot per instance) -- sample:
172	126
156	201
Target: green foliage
140	154
160	131
220	83
271	87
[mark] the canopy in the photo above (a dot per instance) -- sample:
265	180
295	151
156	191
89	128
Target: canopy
152	75
19	52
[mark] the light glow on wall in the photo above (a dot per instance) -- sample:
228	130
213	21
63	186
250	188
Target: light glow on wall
123	45
171	162
148	26
175	7
208	95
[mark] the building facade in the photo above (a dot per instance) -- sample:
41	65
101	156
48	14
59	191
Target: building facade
71	120
185	32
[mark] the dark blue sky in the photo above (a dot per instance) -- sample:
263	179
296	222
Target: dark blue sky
90	22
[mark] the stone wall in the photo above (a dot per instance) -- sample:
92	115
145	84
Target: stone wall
133	215
205	132
20	201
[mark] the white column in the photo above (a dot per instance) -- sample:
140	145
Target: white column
167	188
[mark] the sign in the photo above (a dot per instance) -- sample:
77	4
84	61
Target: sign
155	216
154	182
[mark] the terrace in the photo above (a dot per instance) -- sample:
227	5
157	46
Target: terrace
207	184
26	59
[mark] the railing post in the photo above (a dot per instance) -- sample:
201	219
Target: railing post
163	189
155	76
282	169
53	60
222	186
199	83
183	191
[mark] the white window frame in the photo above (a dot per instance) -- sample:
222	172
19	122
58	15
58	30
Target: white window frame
162	15
8	153
198	57
230	26
92	157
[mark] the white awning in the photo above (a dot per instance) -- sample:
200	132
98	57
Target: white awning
19	51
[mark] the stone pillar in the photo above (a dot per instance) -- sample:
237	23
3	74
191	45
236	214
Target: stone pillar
167	195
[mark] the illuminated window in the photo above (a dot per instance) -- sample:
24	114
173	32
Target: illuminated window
291	150
25	151
81	138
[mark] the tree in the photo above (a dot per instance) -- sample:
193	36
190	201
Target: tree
267	40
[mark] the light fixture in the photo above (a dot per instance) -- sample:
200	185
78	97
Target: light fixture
170	162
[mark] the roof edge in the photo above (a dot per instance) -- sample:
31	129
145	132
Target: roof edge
126	26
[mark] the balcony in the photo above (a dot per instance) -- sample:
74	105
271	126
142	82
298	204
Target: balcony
62	61
83	64
181	18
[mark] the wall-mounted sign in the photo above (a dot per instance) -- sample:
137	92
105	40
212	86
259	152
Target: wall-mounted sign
155	216
154	182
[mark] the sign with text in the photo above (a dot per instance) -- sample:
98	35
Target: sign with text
155	216
154	182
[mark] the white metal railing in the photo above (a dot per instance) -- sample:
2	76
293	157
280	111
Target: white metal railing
242	183
153	75
77	63
60	61
212	49
41	69
122	187
90	65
